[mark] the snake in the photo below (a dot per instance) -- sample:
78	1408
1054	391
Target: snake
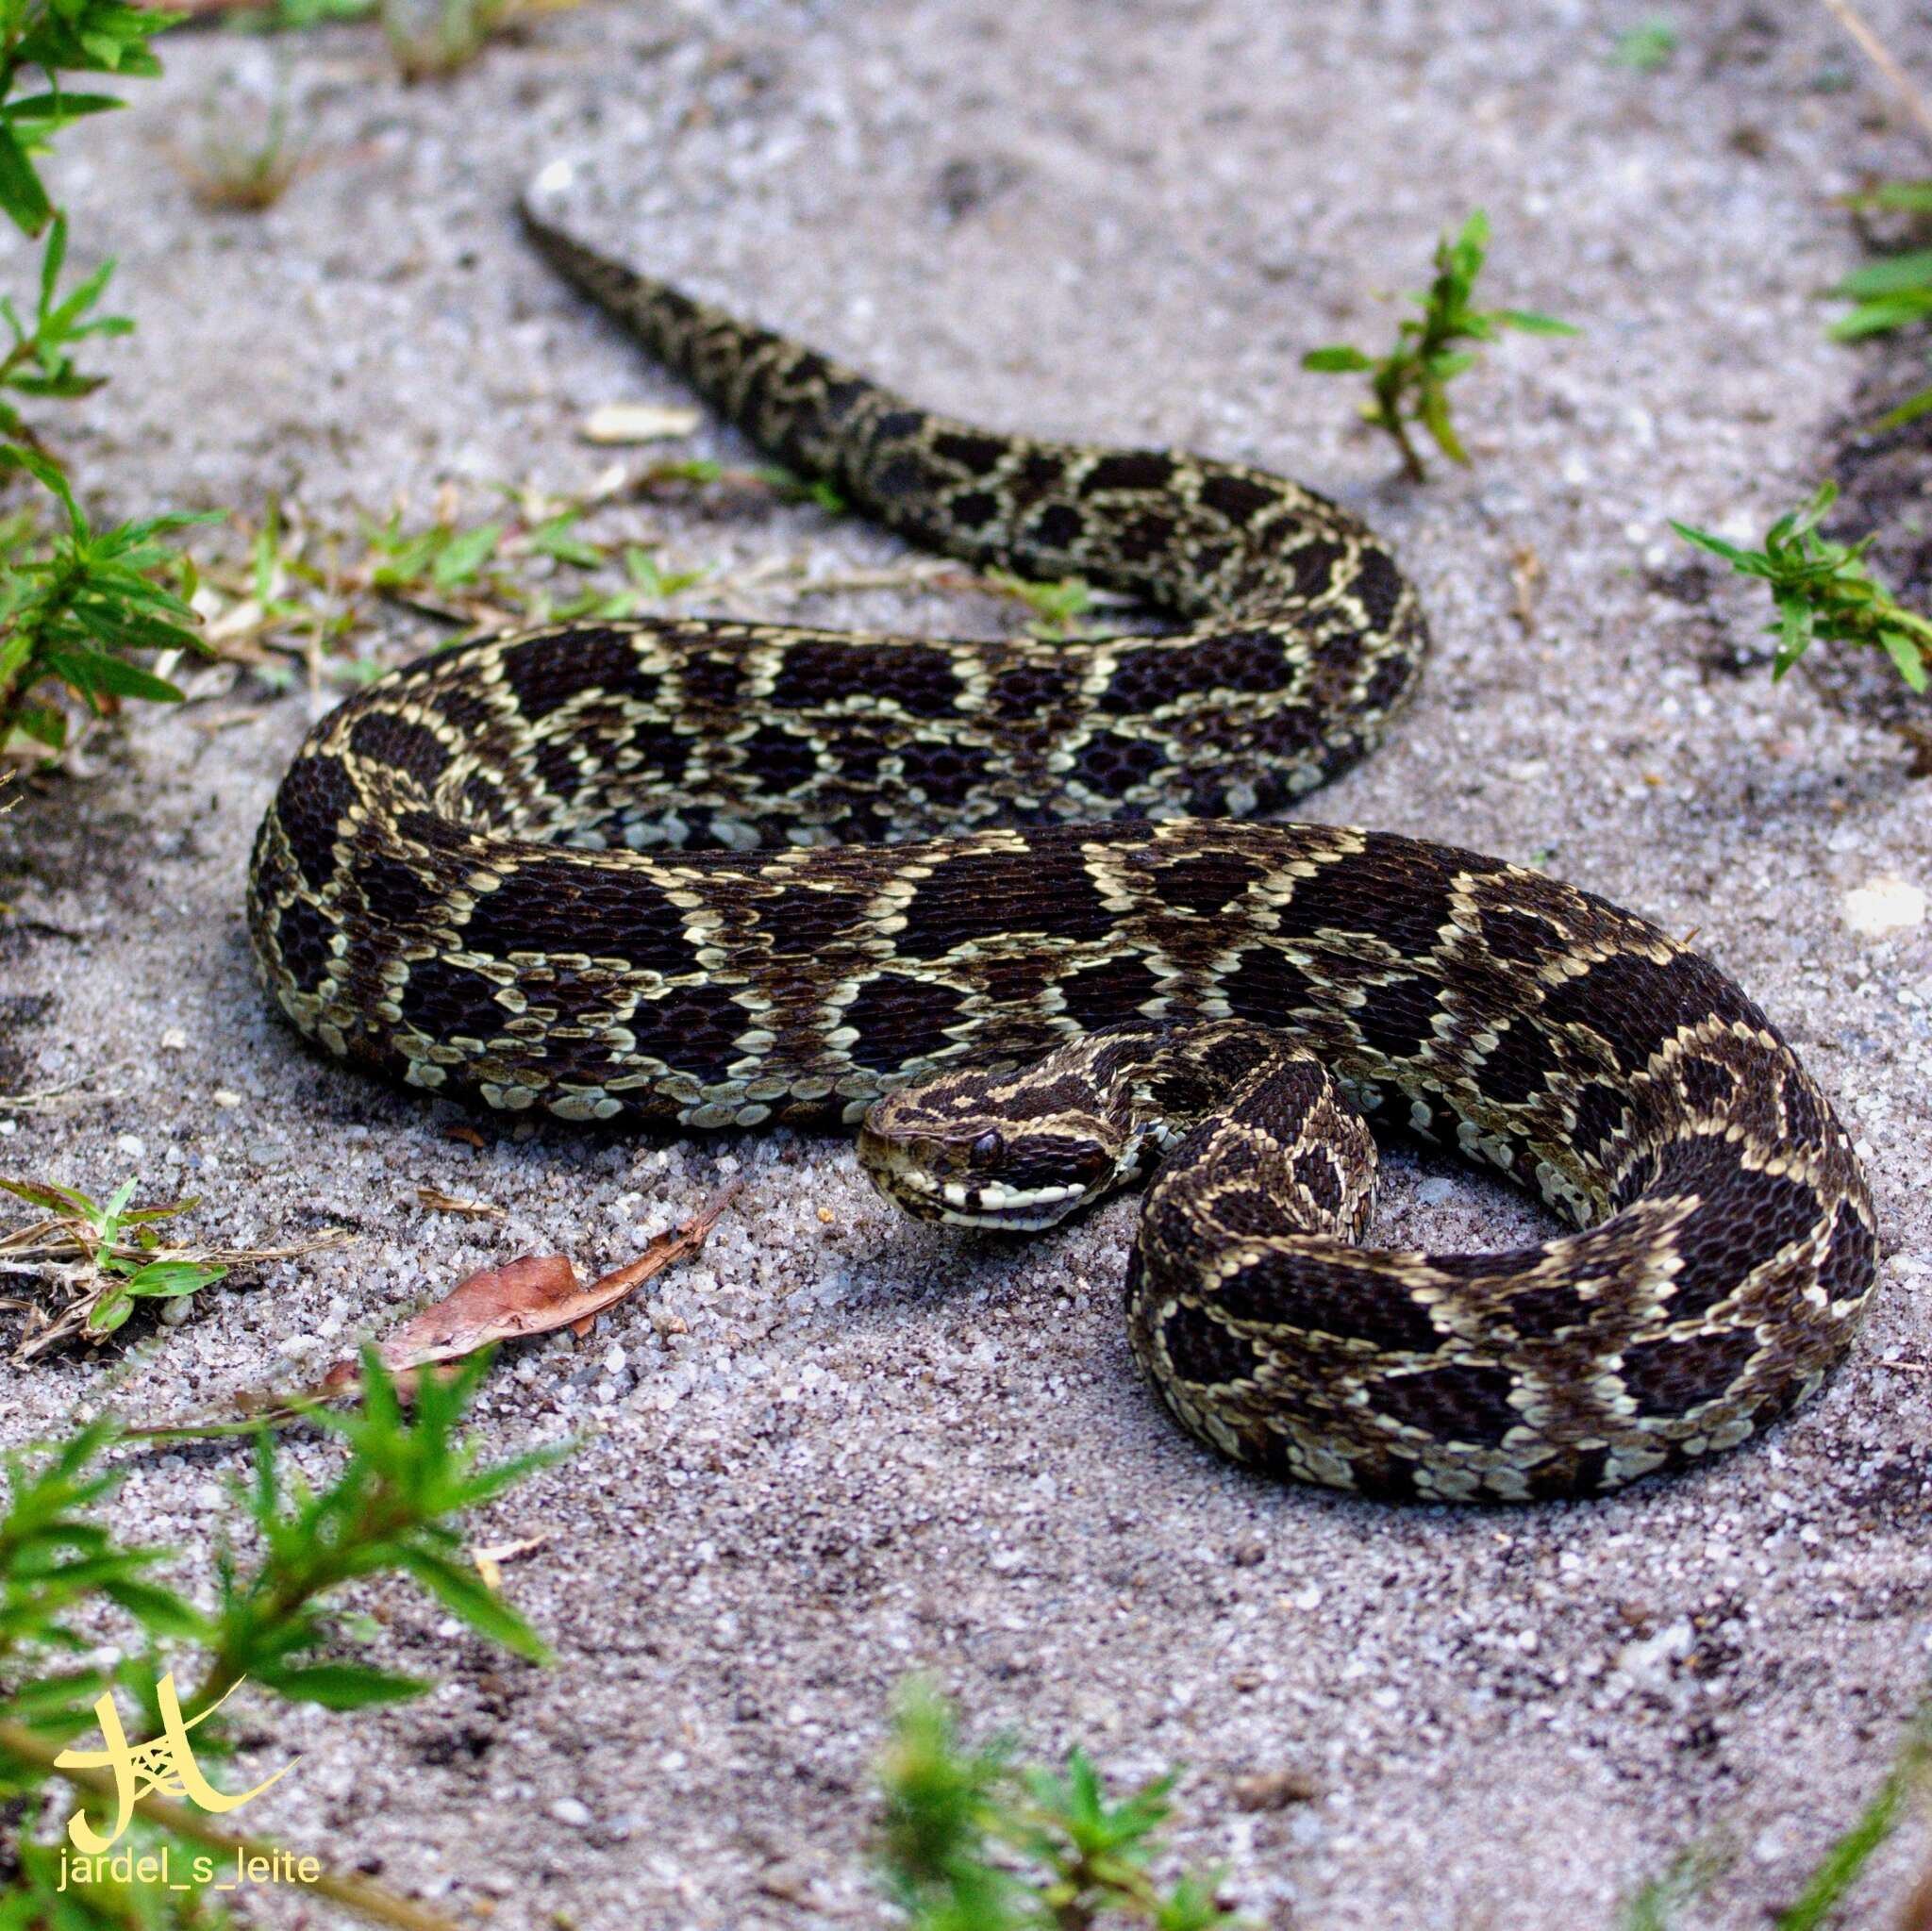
1026	912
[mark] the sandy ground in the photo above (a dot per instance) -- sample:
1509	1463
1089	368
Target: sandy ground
839	1447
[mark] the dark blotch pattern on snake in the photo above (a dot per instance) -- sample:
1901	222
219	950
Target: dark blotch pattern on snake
726	874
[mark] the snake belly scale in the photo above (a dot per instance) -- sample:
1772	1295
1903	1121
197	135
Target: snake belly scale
1002	900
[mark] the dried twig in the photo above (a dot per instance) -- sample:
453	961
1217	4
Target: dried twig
437	1201
41	1099
1880	56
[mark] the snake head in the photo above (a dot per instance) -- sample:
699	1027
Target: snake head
940	1162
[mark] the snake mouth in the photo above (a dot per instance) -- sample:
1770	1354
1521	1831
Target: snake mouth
913	1174
990	1205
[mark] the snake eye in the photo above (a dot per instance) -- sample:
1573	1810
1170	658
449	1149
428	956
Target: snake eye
986	1149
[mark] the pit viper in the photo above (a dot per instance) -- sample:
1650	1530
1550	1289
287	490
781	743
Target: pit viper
1015	906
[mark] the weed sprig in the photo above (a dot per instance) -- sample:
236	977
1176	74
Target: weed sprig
1411	384
1823	590
1890	293
972	1842
1829	1881
72	605
123	1248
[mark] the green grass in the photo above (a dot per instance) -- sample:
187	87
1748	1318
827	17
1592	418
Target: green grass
1832	1879
1646	46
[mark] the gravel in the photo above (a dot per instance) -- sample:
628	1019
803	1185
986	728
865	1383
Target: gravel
837	1448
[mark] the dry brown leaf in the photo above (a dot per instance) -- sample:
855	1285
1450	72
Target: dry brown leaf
536	1294
1525	576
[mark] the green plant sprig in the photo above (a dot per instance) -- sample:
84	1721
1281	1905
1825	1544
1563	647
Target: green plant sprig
123	1241
74	608
57	37
1411	384
1646	46
37	363
1058	606
1823	590
1892	293
1826	1884
971	1841
407	1474
69	612
405	1479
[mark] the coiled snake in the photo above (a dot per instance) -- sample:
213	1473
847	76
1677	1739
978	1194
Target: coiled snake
726	874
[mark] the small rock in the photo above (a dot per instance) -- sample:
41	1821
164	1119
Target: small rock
637	422
568	1810
131	1145
1649	1664
226	1098
1884	904
788	1881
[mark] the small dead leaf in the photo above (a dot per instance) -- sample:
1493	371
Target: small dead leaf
489	1561
637	422
536	1294
1275	1789
468	1135
438	1201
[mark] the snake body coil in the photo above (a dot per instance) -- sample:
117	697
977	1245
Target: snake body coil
728	874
